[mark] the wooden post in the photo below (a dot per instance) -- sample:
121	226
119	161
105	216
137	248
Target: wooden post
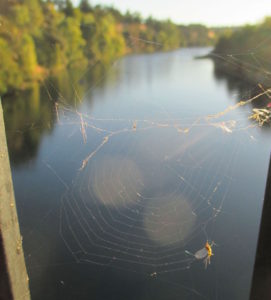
13	275
261	281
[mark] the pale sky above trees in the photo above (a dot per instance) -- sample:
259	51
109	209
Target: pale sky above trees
209	12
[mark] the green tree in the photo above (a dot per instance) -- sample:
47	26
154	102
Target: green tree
88	28
35	15
50	46
74	42
68	10
85	7
106	43
28	59
10	73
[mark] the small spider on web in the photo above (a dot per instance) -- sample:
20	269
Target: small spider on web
204	254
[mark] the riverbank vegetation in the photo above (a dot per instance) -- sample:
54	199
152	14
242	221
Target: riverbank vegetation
246	53
41	37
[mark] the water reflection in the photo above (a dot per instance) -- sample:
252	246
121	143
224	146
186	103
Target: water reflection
31	114
239	85
163	183
28	117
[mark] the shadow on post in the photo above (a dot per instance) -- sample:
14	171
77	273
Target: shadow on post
261	281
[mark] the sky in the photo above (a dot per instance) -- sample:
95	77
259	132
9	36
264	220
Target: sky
208	12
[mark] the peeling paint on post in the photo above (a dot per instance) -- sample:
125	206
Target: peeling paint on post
13	275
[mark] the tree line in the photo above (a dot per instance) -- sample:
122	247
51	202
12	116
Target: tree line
246	52
40	37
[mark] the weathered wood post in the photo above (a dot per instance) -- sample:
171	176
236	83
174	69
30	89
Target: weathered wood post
261	281
13	275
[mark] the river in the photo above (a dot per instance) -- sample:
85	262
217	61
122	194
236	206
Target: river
121	174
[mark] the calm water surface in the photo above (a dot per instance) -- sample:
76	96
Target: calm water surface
130	173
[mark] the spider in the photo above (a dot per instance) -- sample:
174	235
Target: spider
205	253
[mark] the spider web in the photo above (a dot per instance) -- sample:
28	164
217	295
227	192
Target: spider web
149	189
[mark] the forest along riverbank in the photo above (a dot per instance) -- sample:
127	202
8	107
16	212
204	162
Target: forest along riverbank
246	54
39	38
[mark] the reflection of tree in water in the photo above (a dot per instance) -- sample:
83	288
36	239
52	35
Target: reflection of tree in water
238	82
27	116
31	114
235	81
71	87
